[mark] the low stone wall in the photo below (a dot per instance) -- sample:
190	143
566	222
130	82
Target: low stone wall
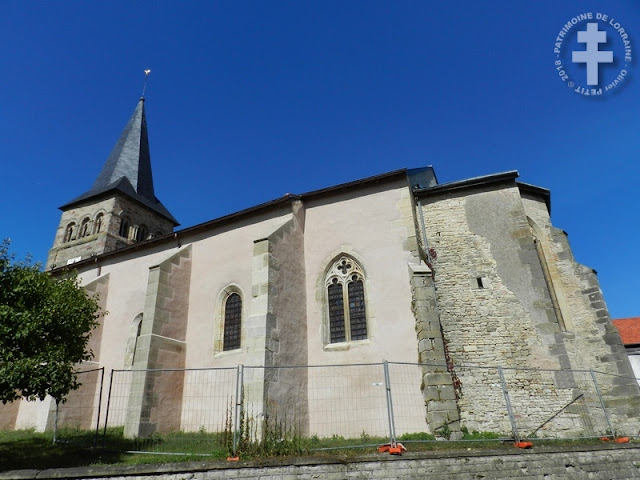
594	462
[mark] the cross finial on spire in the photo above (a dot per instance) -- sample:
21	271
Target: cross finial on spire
144	87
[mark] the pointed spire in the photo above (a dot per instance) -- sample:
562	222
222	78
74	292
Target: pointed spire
130	157
128	167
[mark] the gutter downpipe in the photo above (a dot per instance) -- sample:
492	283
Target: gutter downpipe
428	254
424	232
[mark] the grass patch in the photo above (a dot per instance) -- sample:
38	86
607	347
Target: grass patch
27	449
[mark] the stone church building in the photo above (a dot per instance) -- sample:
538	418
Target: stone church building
393	267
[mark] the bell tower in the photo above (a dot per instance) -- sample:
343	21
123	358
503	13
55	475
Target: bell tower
120	208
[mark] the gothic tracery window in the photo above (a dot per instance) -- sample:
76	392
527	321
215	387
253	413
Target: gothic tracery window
232	322
346	301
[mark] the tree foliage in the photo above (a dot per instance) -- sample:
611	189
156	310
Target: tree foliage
45	323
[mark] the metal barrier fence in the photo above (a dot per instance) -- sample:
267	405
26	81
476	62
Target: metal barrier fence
197	410
81	411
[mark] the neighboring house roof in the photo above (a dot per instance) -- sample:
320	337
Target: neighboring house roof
629	329
128	168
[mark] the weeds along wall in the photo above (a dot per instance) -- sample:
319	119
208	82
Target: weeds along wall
222	411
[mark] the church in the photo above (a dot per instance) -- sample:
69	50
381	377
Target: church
452	280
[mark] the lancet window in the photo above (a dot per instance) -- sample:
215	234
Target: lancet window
232	322
346	304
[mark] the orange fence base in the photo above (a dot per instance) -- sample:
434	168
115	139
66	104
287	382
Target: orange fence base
393	449
523	445
613	439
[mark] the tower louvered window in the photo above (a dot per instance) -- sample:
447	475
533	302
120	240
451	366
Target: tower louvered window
346	301
84	228
232	322
97	224
69	232
124	228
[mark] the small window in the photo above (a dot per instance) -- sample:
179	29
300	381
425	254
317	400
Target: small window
143	234
97	223
68	234
132	341
346	304
232	322
124	227
84	228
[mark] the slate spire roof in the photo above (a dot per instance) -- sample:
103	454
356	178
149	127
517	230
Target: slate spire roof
128	168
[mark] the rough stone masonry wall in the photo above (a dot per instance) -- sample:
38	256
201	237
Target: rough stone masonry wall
437	385
495	310
592	342
81	247
286	397
108	239
604	464
155	400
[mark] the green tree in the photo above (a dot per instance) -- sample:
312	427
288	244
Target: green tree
45	323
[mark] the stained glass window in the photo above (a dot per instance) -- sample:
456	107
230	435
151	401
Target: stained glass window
232	322
346	301
357	317
336	311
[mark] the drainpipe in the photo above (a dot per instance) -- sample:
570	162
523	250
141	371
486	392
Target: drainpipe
424	233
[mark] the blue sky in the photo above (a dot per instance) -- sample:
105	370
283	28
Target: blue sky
249	100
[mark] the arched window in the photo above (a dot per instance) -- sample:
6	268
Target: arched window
346	301
84	228
132	341
232	322
97	223
68	233
143	233
124	227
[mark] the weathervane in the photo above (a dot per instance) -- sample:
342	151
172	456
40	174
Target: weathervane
146	75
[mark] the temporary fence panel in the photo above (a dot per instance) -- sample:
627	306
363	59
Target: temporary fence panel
348	401
81	411
482	401
381	400
555	403
408	399
281	393
621	397
173	409
209	400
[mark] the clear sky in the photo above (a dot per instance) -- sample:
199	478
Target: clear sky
249	100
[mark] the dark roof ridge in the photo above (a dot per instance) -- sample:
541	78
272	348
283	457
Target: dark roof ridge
545	193
468	183
277	202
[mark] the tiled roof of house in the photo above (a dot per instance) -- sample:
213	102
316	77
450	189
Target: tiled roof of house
629	329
